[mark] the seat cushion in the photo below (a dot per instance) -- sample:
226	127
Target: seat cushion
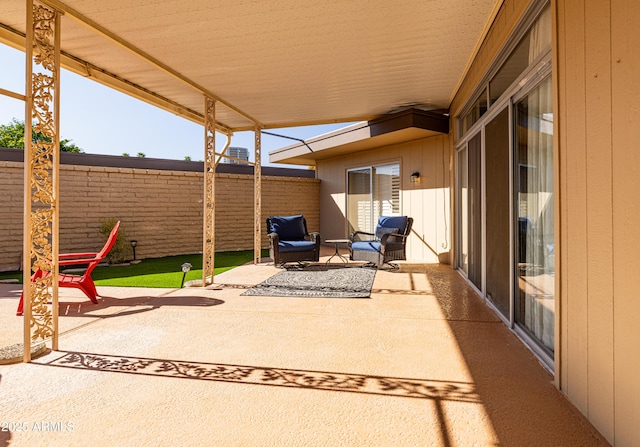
291	246
366	246
399	222
289	228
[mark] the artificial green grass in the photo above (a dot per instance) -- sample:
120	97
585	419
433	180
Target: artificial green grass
159	272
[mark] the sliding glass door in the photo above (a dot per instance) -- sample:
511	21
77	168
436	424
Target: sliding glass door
475	210
372	192
359	200
535	225
505	188
463	211
498	259
470	209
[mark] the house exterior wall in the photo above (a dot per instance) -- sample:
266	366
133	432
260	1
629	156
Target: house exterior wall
427	202
596	61
162	209
598	127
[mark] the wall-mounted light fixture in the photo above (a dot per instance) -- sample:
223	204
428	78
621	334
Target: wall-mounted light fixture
185	268
133	243
415	177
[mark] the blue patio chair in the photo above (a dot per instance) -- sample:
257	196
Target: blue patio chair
387	244
289	240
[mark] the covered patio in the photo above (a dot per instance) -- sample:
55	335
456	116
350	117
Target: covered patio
422	362
436	356
202	64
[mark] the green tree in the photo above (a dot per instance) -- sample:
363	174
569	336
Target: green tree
187	158
125	154
66	145
141	154
12	136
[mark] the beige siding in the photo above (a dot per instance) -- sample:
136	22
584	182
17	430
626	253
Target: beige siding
161	209
598	124
574	272
625	132
599	210
427	202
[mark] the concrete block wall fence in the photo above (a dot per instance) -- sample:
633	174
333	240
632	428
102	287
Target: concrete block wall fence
160	208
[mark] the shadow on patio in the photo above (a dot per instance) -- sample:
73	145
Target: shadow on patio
424	362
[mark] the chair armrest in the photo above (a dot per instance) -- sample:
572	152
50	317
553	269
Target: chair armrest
388	235
356	236
77	255
77	261
315	237
273	243
77	258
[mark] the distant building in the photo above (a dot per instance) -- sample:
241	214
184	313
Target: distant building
238	152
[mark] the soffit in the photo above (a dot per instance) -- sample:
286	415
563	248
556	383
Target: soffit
281	63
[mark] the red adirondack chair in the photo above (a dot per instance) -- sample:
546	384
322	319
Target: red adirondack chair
83	282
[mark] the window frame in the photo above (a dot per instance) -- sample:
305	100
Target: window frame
371	168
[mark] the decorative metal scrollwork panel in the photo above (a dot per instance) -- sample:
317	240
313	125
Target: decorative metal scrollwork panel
41	153
257	178
209	190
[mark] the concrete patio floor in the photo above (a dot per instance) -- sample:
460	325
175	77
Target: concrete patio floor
423	362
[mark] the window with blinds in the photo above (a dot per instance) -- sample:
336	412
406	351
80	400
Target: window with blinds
372	192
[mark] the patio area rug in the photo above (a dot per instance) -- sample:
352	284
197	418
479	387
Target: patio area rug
318	281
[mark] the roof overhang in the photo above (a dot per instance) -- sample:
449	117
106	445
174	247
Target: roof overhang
407	125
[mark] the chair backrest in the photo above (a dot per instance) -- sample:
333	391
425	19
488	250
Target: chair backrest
111	241
288	228
393	224
104	252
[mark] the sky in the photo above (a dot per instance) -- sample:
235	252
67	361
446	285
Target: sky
101	120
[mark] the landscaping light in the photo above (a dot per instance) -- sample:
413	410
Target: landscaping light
133	243
185	268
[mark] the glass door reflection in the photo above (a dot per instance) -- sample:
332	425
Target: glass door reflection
535	279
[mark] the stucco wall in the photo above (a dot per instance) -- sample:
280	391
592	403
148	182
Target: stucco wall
428	202
598	129
161	209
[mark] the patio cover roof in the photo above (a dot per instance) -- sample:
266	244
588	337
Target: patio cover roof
271	64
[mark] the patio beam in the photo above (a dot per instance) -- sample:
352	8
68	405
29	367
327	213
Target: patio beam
349	119
42	167
17	40
11	94
83	20
224	150
230	157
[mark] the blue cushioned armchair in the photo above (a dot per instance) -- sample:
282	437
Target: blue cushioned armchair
289	240
387	244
